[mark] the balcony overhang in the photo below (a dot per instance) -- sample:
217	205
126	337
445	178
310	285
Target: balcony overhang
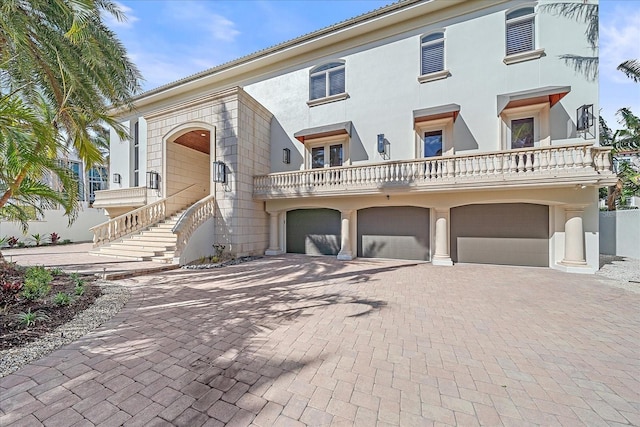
435	113
550	94
323	131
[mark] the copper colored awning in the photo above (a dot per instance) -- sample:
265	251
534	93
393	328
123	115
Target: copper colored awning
550	94
322	131
434	113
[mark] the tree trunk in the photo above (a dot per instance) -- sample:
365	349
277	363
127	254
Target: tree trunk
614	193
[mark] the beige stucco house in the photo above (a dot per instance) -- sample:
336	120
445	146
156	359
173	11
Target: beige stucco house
445	131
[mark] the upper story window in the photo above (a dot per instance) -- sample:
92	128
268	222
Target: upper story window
432	53
327	80
520	30
432	57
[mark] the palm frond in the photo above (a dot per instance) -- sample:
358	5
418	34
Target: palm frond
631	69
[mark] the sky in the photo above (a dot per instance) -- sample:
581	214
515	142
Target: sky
172	39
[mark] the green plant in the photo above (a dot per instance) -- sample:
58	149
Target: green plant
37	239
36	283
55	238
79	290
75	278
57	271
66	241
3	241
61	299
29	318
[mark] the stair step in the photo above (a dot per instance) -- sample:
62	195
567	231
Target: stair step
157	233
119	256
157	239
135	244
132	252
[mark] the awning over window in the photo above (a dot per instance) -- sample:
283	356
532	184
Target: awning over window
434	113
550	94
322	131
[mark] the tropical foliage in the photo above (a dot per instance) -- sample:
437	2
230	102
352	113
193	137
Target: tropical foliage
626	140
62	71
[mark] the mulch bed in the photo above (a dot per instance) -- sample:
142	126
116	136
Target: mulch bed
13	333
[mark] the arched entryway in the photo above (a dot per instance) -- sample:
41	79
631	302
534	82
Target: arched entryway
188	150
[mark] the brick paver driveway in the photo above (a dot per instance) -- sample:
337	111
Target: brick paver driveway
297	340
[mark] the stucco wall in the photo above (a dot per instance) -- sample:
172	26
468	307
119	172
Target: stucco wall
381	80
56	222
620	233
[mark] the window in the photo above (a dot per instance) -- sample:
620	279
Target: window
319	159
76	171
136	155
432	53
432	143
522	133
327	80
98	180
520	35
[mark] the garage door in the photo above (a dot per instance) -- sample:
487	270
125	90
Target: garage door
399	232
507	234
313	231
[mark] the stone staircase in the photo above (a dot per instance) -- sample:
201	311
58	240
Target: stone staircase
156	243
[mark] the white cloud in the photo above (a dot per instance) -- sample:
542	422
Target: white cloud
112	22
198	16
619	41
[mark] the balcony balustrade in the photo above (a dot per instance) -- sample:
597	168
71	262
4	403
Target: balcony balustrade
578	164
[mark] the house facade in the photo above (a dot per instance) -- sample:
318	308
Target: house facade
442	131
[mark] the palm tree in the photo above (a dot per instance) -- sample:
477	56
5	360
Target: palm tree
622	140
62	71
632	69
62	50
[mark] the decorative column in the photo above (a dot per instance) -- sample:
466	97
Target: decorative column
441	255
574	237
345	236
274	235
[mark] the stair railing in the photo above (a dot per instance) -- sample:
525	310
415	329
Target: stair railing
191	219
138	219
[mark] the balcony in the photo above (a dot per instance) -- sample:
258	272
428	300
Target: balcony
121	197
560	165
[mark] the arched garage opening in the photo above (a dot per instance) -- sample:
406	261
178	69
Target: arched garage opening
397	232
505	233
313	231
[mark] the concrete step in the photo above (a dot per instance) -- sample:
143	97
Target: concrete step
157	239
164	259
144	244
131	252
157	233
118	256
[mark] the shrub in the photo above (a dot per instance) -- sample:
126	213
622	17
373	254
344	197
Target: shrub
61	299
66	241
12	241
29	318
75	278
36	283
55	238
37	239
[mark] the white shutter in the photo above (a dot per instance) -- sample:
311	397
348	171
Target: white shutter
336	82
318	86
520	36
432	58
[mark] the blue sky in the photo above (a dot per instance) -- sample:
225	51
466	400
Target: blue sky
171	39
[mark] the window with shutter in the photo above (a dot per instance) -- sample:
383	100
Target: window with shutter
432	53
520	35
327	80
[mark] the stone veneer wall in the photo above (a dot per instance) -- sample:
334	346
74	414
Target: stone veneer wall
241	127
254	136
